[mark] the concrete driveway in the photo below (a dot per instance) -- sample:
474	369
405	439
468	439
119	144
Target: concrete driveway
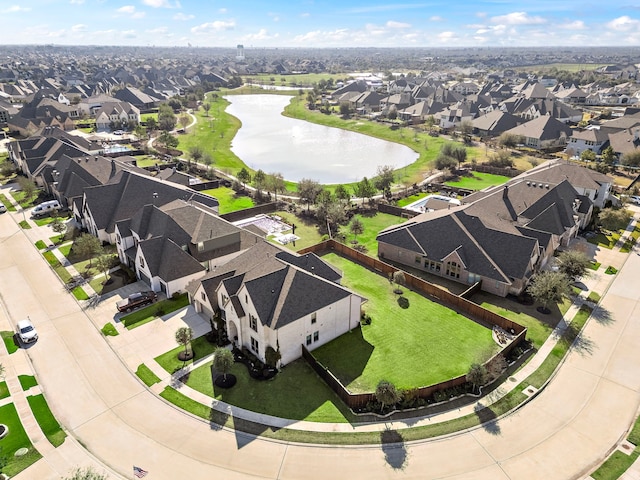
561	434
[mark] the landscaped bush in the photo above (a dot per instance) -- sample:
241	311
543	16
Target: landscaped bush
611	270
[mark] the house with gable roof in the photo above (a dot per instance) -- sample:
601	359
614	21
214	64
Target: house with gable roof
267	297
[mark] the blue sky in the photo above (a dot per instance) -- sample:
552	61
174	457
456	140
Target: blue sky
322	23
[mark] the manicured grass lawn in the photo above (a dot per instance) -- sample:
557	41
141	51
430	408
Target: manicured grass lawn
403	202
594	297
61	271
25	225
5	201
9	344
147	314
16	440
478	181
400	343
169	360
539	326
604	240
373	224
27	381
40	245
146	375
616	465
41	222
279	396
49	425
611	270
146	161
109	330
594	265
299	79
80	294
305	229
4	390
229	200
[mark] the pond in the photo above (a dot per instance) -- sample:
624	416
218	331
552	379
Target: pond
298	149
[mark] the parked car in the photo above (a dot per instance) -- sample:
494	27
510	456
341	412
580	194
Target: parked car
45	208
26	331
2	208
136	300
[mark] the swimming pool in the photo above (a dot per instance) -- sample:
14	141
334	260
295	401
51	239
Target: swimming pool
422	204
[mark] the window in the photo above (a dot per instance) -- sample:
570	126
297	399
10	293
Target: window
316	336
118	239
418	259
453	270
142	262
203	296
254	345
253	323
308	339
313	318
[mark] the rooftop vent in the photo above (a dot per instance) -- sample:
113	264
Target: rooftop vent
547	186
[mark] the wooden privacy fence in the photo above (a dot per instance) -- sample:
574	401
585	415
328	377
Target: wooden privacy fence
360	400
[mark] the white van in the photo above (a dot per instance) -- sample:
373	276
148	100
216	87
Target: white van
45	208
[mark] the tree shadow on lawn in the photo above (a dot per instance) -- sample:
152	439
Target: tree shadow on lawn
488	419
393	447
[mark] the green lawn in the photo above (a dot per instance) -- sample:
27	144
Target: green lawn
149	313
40	245
146	375
400	343
16	440
305	229
27	381
373	224
4	390
539	326
169	360
279	396
297	80
24	225
7	337
403	202
229	200
49	425
5	201
143	161
607	240
619	462
478	181
109	330
61	271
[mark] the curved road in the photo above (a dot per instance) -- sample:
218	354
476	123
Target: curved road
560	434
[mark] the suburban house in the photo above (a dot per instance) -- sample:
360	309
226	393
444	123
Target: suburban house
103	206
542	132
495	123
268	297
499	237
137	98
595	139
116	114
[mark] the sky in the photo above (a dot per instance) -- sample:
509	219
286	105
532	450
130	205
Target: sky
321	23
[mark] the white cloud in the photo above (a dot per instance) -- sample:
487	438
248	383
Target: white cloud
76	2
183	16
262	35
624	24
129	34
392	24
158	31
326	37
79	28
305	15
222	10
162	4
444	36
16	9
436	18
481	14
216	26
129	9
575	25
517	18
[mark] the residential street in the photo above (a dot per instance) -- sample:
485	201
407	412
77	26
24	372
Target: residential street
561	434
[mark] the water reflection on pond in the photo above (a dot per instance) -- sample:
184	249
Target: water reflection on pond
272	142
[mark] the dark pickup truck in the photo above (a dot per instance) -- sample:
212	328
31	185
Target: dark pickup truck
136	300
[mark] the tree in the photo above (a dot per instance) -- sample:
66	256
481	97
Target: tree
206	106
614	219
609	156
275	183
342	193
549	287
345	109
477	375
444	162
223	360
387	394
466	128
168	140
207	160
501	158
574	264
184	121
588	156
152	124
631	159
259	180
58	226
184	335
28	187
334	215
309	190
86	474
87	246
364	189
399	278
244	176
392	114
356	227
384	178
103	263
166	118
196	153
509	140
